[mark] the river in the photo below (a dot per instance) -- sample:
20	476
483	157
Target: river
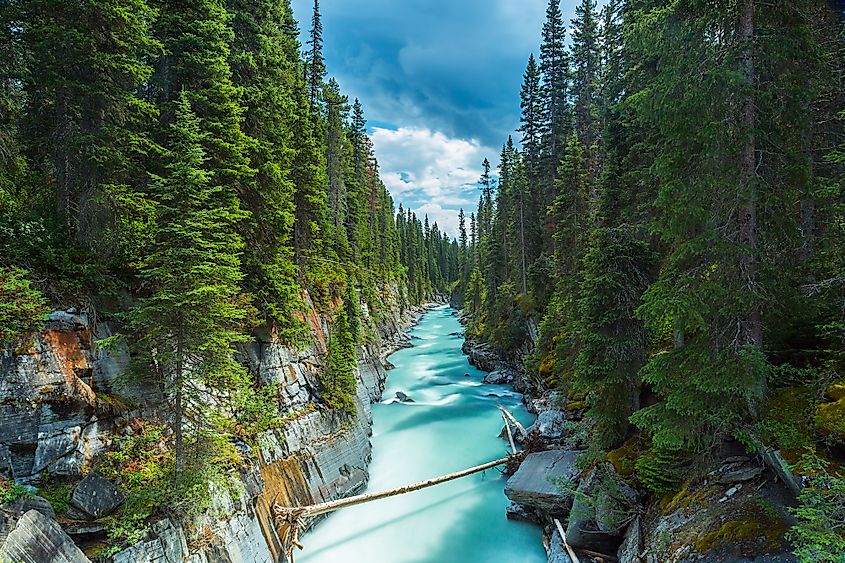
452	424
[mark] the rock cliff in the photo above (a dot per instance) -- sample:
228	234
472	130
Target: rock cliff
62	399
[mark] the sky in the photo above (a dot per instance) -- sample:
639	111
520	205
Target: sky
439	81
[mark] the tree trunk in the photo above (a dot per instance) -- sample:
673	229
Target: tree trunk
178	409
522	241
752	325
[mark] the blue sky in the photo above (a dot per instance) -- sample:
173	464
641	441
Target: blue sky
439	80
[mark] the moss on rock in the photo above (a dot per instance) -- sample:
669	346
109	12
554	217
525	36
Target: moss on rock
760	531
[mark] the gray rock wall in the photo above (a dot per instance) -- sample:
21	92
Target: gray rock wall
60	404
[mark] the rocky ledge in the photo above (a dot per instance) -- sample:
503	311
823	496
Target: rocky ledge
60	409
736	510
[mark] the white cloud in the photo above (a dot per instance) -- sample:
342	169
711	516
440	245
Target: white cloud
430	172
446	219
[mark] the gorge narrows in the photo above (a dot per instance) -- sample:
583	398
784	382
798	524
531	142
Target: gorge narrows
453	423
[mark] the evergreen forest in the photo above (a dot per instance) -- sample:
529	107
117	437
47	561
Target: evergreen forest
664	244
660	244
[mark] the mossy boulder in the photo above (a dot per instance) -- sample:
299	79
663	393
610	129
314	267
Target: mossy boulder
830	416
711	520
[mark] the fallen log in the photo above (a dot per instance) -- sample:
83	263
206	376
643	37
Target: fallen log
562	533
331	506
515	422
510	434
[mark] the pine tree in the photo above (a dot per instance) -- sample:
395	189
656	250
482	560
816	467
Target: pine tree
532	204
264	60
197	36
707	292
532	116
337	154
86	129
554	68
585	62
315	64
309	177
194	312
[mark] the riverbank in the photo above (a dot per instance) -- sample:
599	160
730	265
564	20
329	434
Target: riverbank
318	454
447	421
739	512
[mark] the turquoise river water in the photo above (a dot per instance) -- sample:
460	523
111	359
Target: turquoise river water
452	424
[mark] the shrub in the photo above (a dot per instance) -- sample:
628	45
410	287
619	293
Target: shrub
22	307
819	534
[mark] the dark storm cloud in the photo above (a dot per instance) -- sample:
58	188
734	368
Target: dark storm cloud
445	65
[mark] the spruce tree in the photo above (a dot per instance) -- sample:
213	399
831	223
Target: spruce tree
315	64
711	378
194	312
554	68
309	177
264	61
337	156
585	63
532	116
197	37
532	204
86	128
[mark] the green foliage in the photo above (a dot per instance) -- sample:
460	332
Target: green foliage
195	312
57	494
338	377
22	307
42	245
90	133
255	410
788	421
11	491
819	535
264	61
143	466
662	470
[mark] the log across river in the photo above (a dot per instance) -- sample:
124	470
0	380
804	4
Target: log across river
453	424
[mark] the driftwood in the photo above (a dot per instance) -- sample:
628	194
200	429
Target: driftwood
562	533
510	435
516	423
291	518
592	554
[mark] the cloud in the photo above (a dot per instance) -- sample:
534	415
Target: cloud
439	80
452	66
430	172
448	65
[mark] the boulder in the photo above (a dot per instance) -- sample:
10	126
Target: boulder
12	511
402	397
69	318
550	425
482	356
39	538
542	481
516	511
629	551
166	543
738	472
499	377
96	496
601	510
